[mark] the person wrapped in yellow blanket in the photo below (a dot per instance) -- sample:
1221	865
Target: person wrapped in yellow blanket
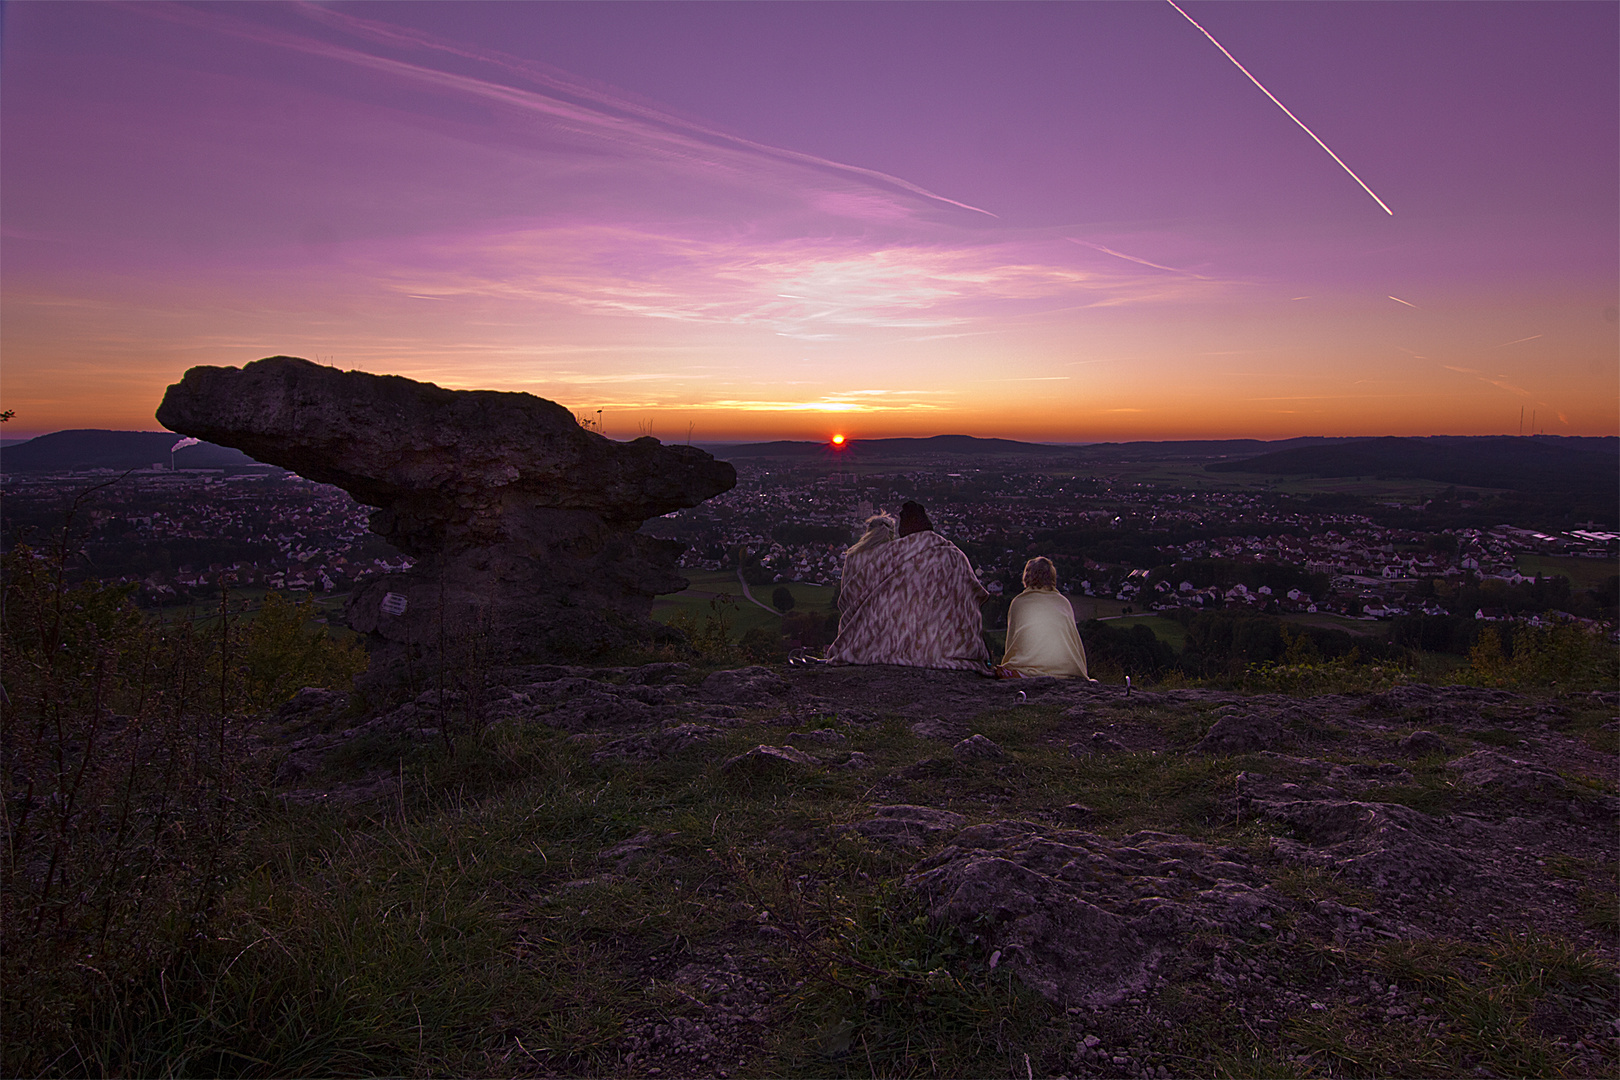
1041	635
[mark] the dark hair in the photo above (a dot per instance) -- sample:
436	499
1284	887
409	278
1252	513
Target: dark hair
914	519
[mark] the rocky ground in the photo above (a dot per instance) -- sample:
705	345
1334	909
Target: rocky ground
1331	885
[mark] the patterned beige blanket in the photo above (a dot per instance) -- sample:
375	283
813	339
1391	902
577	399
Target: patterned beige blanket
913	601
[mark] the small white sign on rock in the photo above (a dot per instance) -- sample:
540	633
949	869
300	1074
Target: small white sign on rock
394	604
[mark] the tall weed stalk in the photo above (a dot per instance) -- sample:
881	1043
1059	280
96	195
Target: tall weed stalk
123	791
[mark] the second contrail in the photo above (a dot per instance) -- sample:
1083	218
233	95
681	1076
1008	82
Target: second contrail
1284	108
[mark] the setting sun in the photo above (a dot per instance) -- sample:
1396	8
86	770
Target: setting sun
838	440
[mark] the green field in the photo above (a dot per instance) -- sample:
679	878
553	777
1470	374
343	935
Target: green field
1166	630
1174	634
1193	475
707	585
328	606
743	616
1353	627
1582	573
1097	607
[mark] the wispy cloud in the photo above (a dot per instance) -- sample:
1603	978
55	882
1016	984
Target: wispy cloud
573	109
641	213
805	289
1498	381
825	405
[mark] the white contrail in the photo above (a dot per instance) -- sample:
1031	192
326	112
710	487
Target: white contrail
1128	258
1397	299
1283	107
1519	341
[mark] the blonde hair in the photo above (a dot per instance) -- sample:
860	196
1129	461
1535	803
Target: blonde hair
1039	573
880	529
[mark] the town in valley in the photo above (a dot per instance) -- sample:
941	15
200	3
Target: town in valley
1145	537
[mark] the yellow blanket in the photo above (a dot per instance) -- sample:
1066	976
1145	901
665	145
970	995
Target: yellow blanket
1041	636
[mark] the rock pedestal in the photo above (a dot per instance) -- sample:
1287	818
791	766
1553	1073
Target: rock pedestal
523	525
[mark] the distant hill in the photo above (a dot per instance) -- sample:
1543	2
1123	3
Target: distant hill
887	448
1195	449
72	451
1539	463
972	446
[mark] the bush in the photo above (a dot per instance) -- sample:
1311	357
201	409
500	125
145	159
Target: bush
711	638
810	629
1227	644
1137	651
279	658
764	645
1346	674
1435	633
121	790
124	788
1566	654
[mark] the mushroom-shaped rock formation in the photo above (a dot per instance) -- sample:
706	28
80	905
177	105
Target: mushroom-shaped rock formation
523	525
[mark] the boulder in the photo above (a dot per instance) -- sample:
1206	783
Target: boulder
768	760
826	736
976	747
312	704
1085	919
1421	743
744	686
939	728
523	525
1523	783
1385	845
1244	732
908	826
1099	743
656	745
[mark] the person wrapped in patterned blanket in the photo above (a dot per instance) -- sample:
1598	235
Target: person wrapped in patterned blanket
912	601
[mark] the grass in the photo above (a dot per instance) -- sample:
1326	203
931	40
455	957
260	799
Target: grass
1327	621
706	585
1582	573
1097	607
520	909
1492	1007
206	612
1166	630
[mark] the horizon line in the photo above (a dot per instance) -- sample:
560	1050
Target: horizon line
23	437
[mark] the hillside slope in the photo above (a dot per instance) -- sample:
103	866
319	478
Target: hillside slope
650	871
1542	463
92	448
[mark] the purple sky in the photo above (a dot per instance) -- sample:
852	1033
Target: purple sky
1058	221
